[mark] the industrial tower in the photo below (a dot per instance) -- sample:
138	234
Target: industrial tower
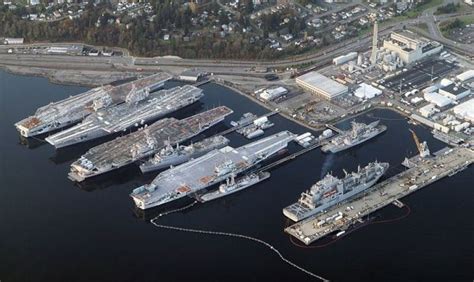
373	56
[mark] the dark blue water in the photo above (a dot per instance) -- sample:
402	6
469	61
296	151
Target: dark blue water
54	230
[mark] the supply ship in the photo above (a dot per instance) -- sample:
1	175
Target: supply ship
139	107
75	108
171	156
331	190
143	143
359	133
231	185
207	170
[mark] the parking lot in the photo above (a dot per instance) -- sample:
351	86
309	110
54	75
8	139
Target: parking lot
417	76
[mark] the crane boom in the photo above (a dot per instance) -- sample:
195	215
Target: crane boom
417	141
422	147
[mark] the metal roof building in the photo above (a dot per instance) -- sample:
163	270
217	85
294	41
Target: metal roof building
465	110
454	92
321	85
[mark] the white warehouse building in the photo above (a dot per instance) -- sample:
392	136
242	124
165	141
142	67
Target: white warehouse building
465	110
454	92
321	85
367	91
465	75
437	99
273	93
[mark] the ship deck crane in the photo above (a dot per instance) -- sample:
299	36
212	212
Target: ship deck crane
422	146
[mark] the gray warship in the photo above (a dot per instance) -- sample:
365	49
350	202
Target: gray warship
143	143
359	133
171	156
232	185
72	110
331	190
207	170
139	107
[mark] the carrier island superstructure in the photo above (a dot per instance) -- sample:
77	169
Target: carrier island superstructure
207	170
143	143
331	190
139	108
359	133
75	108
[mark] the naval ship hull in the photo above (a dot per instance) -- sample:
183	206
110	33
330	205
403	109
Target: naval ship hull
79	178
297	211
331	148
72	110
239	187
198	174
127	116
177	160
117	153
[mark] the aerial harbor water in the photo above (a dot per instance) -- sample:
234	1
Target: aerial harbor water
56	230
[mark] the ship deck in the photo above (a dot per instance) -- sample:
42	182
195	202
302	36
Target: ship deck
119	151
198	173
125	115
79	106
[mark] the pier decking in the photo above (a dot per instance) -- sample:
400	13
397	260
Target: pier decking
381	195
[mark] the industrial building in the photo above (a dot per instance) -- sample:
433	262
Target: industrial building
321	85
465	75
454	92
465	110
437	99
191	75
428	110
409	47
273	93
367	91
344	58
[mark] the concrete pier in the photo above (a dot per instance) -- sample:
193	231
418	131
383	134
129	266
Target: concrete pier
381	195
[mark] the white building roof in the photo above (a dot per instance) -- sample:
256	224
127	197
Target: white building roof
367	91
465	110
437	99
273	93
466	75
322	83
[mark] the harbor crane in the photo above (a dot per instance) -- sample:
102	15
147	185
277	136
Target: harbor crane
422	146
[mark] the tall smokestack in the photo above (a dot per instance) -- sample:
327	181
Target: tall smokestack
373	56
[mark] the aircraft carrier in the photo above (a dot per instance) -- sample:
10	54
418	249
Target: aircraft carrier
170	155
331	190
143	143
75	108
359	133
207	170
139	107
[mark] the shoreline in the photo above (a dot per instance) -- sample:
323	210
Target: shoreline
71	77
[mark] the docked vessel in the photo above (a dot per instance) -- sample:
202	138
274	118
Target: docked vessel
172	156
139	107
207	170
143	143
245	119
75	108
332	190
231	185
359	133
